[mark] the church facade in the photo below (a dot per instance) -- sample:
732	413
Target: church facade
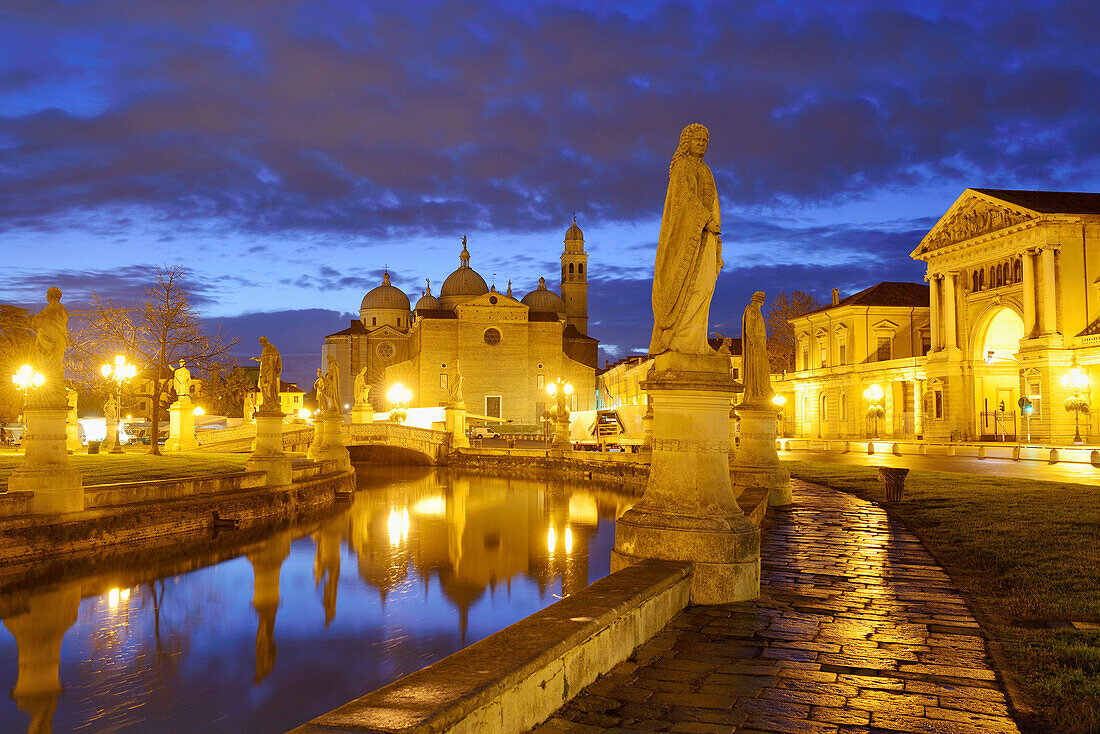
505	348
1011	307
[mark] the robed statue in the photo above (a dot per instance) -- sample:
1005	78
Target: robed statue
332	385
51	327
755	367
271	370
361	389
110	411
689	250
182	379
320	389
454	386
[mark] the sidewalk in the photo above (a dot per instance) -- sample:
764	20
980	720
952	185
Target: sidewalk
857	630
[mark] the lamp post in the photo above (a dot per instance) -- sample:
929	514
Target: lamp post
1077	381
560	390
27	379
399	396
874	395
120	372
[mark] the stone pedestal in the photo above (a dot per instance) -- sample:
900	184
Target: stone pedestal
181	426
72	432
267	449
112	444
561	445
38	631
46	470
757	463
647	429
455	417
362	413
688	511
327	441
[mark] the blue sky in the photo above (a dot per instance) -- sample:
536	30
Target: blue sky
286	152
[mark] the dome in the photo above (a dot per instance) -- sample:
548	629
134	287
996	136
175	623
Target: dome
465	281
385	296
574	233
428	302
543	300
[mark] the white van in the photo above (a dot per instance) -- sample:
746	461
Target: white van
483	432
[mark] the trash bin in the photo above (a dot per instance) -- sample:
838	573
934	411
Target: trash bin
93	447
893	479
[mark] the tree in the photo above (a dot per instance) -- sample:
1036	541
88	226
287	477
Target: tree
223	390
781	344
16	340
162	330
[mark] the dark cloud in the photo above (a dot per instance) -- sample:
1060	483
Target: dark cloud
276	116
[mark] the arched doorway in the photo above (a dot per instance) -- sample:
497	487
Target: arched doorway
996	376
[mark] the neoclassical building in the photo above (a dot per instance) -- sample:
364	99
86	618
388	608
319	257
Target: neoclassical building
507	349
1012	304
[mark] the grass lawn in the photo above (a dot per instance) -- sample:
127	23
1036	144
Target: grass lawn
1023	552
135	467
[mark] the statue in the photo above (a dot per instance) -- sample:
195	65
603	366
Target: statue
51	326
271	370
360	388
72	397
332	385
454	386
182	378
320	389
689	250
110	411
754	348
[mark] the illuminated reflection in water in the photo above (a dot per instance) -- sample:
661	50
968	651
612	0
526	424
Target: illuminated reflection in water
289	626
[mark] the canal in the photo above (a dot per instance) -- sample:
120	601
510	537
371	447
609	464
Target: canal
283	627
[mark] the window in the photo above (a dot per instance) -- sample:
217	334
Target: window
735	373
580	269
824	408
492	406
925	343
937	403
570	268
442	380
492	337
884	349
843	350
805	356
374	321
843	406
540	381
1034	394
823	352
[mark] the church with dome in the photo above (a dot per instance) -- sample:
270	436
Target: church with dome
506	349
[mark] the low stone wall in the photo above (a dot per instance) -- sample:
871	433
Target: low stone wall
125	493
32	539
521	675
535	462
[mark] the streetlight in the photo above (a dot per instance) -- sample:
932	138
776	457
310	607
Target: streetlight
1076	380
875	409
120	373
399	396
779	401
27	379
559	389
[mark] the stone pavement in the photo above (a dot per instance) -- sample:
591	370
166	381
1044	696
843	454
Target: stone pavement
857	630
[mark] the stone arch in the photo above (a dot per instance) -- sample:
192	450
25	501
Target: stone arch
994	329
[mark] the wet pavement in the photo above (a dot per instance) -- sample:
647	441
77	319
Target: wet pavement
857	630
1060	472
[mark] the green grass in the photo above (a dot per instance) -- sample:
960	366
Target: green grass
136	467
1021	551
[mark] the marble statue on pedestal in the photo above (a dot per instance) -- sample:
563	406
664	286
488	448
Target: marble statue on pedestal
689	250
182	381
320	389
454	386
51	327
754	361
271	370
332	385
360	388
110	411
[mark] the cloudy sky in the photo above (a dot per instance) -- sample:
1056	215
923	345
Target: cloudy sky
287	152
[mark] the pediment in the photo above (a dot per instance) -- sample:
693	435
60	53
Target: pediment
492	306
885	325
387	332
973	214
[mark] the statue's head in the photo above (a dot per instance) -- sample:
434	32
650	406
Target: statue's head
181	363
53	294
319	372
693	141
264	341
758	297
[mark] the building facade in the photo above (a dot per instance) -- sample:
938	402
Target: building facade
506	349
1012	307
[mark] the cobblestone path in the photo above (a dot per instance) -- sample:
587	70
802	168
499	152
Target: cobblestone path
857	630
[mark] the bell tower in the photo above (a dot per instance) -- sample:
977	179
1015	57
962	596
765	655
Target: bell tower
574	278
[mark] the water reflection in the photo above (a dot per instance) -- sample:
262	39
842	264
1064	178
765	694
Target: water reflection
263	633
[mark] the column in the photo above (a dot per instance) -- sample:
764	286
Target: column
934	309
1047	314
1029	293
950	330
918	407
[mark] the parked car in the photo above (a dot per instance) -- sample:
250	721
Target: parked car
483	432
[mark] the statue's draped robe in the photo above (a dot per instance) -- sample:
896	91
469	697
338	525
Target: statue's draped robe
687	261
754	362
51	326
332	386
271	369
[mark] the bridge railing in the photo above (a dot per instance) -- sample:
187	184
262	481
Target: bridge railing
394	431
